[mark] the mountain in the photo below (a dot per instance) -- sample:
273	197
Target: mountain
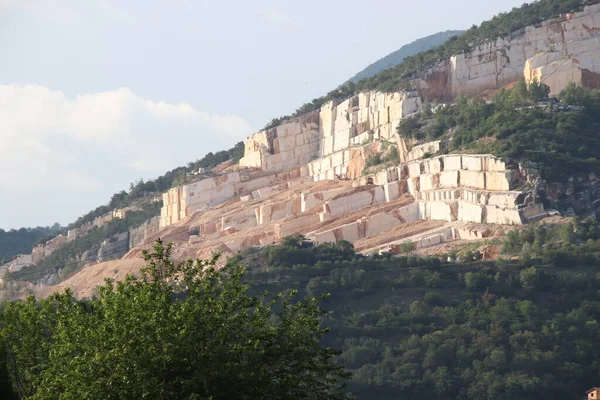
511	164
395	58
459	242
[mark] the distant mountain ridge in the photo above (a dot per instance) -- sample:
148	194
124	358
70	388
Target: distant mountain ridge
407	50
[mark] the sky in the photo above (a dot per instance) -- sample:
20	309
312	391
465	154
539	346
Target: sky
96	94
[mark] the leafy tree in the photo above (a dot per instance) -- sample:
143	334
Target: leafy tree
178	331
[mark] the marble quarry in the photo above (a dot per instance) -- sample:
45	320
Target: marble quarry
329	133
307	175
555	52
333	143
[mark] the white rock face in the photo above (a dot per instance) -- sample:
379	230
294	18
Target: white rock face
557	51
470	188
20	262
335	141
292	143
330	131
180	202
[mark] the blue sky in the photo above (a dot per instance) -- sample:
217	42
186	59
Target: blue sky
95	94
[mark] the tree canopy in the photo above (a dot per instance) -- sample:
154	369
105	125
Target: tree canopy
179	331
561	141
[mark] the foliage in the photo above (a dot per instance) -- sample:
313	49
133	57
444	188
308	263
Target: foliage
373	160
184	331
67	259
389	156
142	189
560	141
409	327
414	328
395	58
14	242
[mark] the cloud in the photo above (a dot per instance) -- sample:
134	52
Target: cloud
113	12
277	17
69	11
98	143
59	10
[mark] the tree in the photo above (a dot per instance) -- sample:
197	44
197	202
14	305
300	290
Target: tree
538	90
186	331
6	390
530	278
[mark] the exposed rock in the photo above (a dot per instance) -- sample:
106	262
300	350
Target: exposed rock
90	256
556	52
114	248
140	235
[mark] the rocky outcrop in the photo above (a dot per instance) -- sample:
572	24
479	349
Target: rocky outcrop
140	235
114	247
90	255
180	202
21	261
556	52
43	250
330	130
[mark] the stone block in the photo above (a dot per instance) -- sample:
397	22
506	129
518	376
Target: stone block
348	232
414	169
499	181
439	210
534	211
495	215
310	200
379	223
452	162
472	163
347	203
503	200
409	213
469	212
474	179
287	228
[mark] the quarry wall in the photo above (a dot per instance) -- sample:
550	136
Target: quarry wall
335	141
329	131
555	52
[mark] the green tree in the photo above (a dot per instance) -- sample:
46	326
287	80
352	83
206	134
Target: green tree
186	331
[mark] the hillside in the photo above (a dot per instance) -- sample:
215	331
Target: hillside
414	328
448	206
452	326
396	57
14	242
507	25
383	169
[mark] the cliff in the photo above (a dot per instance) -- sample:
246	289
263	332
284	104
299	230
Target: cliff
336	141
556	52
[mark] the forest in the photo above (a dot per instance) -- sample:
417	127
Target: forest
523	326
185	331
20	241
